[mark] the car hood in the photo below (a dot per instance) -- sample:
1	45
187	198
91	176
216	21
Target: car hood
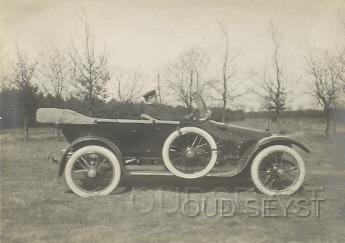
225	131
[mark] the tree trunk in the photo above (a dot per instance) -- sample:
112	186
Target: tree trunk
268	125
278	122
58	131
327	123
159	89
26	128
224	112
225	87
90	106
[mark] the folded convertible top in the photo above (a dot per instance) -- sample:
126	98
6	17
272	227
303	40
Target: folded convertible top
62	116
65	116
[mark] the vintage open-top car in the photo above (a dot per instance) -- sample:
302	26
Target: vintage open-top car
101	151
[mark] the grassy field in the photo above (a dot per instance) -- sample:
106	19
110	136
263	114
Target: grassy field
36	206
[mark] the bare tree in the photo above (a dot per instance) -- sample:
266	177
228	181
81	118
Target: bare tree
4	79
22	80
273	85
55	76
326	77
4	72
185	76
129	85
55	69
226	86
90	70
342	69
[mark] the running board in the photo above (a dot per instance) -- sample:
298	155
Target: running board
168	173
159	170
152	172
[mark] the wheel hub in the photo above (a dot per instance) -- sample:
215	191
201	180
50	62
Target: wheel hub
190	153
91	172
280	171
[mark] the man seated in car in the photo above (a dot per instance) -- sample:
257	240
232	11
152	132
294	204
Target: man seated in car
160	111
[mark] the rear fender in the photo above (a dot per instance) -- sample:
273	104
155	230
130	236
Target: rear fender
85	141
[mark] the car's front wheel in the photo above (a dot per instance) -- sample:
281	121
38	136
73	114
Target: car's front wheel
93	171
278	170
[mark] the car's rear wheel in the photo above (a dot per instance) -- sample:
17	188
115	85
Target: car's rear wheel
93	171
190	152
278	170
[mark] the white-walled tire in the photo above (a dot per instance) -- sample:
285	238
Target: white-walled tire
93	171
278	170
190	148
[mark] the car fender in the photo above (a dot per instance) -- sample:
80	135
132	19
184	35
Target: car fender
281	140
266	142
84	141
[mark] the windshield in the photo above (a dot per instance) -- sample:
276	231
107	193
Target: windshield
203	110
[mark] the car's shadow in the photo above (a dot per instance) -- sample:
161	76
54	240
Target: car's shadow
238	183
171	183
174	184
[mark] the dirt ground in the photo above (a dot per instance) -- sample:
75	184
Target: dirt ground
36	206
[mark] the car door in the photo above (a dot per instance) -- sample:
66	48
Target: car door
161	130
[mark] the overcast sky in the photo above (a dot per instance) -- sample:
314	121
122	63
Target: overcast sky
150	34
